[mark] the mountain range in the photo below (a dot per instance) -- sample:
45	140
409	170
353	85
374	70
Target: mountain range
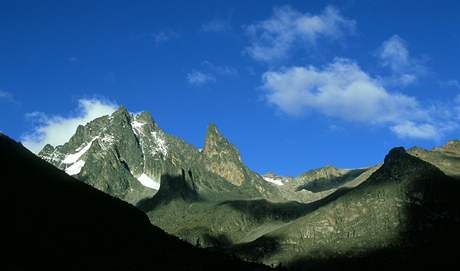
56	222
402	212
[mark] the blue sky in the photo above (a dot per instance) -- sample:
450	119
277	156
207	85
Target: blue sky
293	84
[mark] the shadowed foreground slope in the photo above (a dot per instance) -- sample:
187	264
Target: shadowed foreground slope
73	226
406	215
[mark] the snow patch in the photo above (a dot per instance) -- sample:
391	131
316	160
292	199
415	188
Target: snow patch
107	141
137	124
274	181
137	127
148	182
75	168
160	144
72	158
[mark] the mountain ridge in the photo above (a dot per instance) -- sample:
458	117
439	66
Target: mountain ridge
209	198
73	226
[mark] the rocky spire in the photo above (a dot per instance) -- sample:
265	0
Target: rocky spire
224	159
216	143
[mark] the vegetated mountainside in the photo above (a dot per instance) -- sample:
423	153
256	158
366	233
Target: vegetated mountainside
406	214
319	183
211	199
446	158
224	222
326	178
72	226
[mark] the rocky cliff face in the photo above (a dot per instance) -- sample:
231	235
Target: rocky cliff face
211	199
223	158
73	226
122	154
126	155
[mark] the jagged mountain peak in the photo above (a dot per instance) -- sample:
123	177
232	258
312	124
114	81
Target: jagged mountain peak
399	160
145	117
121	110
223	158
399	164
217	144
395	154
111	152
212	129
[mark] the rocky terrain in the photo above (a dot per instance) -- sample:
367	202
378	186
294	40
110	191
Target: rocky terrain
60	223
405	206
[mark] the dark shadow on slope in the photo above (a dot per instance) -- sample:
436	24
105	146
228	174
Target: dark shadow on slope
216	240
323	184
262	248
179	187
427	240
204	237
262	209
72	226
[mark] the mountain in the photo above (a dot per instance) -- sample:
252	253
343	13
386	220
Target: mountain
72	226
326	178
407	213
446	158
125	155
211	199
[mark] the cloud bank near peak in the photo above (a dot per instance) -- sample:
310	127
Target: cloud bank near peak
56	129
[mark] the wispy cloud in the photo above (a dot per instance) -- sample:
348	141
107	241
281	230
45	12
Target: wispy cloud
394	54
216	25
457	107
273	38
218	69
5	94
209	72
410	129
343	90
453	83
164	36
198	78
57	130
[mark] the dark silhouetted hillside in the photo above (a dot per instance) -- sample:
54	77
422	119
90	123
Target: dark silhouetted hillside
61	223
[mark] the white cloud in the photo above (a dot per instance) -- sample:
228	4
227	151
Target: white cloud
199	78
410	130
343	90
216	26
272	39
394	54
56	130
